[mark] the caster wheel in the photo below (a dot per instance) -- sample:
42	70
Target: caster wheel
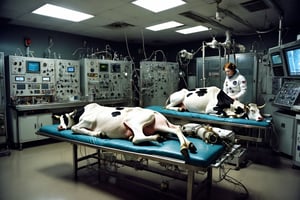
164	186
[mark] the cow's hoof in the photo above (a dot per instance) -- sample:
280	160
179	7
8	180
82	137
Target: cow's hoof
102	135
130	138
160	139
185	154
181	109
192	148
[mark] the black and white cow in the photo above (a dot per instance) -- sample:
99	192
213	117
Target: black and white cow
133	123
212	100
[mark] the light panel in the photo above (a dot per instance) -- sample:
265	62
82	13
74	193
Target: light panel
50	10
194	29
158	5
163	26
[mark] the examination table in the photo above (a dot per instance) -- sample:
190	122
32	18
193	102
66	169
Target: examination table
263	128
165	153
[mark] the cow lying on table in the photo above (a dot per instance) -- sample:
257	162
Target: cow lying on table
133	123
212	100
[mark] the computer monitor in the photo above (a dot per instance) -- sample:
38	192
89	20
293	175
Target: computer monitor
276	58
33	67
277	61
292	57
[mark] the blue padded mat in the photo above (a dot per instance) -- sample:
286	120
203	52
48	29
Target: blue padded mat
162	110
206	153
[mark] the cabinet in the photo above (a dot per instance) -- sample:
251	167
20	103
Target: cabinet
26	125
30	124
215	76
296	156
285	128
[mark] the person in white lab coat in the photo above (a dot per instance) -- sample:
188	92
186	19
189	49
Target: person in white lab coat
235	84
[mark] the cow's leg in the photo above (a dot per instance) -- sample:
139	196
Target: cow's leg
174	106
85	127
163	125
176	100
144	123
136	124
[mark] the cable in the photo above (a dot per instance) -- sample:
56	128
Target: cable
135	72
154	53
127	47
143	43
233	181
20	52
238	183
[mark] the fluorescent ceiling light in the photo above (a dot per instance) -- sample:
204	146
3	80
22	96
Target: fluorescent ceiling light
61	13
194	29
158	5
163	26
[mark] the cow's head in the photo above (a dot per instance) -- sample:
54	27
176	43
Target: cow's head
253	111
66	121
250	111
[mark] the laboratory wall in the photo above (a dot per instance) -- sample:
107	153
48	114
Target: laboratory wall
51	44
56	44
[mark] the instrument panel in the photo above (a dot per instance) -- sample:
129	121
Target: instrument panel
288	94
67	83
30	77
106	79
42	80
157	81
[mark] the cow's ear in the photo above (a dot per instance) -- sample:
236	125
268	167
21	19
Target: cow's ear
247	106
55	116
72	114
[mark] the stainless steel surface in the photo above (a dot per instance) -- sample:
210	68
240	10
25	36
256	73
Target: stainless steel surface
71	104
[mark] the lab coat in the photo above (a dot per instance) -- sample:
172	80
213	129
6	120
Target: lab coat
235	86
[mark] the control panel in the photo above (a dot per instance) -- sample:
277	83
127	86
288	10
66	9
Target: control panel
106	79
67	80
31	77
288	94
157	81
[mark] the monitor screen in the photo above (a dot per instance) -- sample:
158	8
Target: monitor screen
21	86
292	56
103	67
71	69
276	58
46	79
20	78
277	62
116	68
33	67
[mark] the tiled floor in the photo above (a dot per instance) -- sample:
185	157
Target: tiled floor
45	173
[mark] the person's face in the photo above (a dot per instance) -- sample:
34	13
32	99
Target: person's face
229	72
